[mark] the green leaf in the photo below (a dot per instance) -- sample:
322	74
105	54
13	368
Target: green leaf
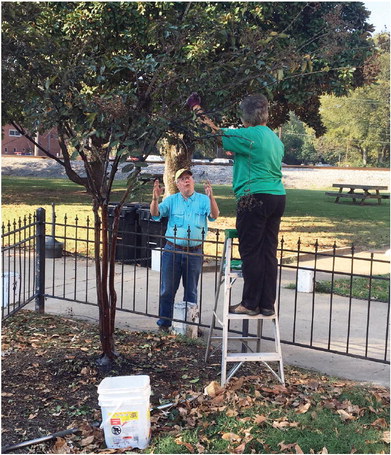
129	142
140	164
91	116
128	167
114	144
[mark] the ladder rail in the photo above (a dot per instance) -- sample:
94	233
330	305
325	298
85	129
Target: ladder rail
214	313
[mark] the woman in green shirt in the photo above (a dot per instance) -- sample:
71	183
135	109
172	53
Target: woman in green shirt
257	184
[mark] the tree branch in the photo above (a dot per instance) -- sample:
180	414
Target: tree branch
23	132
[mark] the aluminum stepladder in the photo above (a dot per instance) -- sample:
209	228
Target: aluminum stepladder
230	270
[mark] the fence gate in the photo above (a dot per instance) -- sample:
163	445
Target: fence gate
23	263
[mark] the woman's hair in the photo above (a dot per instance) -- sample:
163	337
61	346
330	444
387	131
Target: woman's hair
254	110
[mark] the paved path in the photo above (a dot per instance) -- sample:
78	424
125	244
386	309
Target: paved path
138	290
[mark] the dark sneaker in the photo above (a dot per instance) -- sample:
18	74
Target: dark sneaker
267	312
240	309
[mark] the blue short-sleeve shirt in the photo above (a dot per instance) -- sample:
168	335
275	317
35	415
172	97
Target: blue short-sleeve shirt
183	214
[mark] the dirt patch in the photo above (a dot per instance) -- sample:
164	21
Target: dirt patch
50	378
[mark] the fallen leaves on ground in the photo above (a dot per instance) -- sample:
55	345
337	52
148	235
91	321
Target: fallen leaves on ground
53	386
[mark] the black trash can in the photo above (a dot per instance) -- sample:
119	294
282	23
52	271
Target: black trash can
151	234
127	248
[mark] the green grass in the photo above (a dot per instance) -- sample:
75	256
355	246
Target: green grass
283	429
309	214
359	286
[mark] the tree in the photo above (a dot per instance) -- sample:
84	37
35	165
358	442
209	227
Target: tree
63	68
298	142
113	78
294	55
360	122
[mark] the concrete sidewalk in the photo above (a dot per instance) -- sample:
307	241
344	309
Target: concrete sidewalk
301	315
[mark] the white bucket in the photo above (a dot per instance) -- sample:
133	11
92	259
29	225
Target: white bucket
190	315
155	259
305	280
125	411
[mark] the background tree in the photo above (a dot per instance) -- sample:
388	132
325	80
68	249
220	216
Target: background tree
298	142
360	122
113	78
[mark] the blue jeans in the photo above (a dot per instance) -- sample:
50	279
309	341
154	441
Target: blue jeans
177	264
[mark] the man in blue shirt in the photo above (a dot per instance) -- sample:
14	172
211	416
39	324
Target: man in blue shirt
188	213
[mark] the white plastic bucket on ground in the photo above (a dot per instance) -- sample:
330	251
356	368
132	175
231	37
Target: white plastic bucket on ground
190	315
155	259
125	411
305	280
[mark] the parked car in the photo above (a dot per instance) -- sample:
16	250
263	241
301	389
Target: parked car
222	161
155	159
200	160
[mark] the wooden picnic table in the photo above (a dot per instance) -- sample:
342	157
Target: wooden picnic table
361	192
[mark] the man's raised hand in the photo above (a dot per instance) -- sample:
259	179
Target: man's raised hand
157	189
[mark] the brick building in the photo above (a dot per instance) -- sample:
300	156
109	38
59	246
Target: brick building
14	143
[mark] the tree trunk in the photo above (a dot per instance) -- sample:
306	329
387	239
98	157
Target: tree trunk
364	156
178	155
101	268
220	152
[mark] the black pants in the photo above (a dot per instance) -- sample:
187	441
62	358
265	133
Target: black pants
258	223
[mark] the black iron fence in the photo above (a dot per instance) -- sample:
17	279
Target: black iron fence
20	275
334	300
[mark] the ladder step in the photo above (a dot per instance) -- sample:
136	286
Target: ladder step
253	357
246	316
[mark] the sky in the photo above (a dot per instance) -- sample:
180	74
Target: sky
380	14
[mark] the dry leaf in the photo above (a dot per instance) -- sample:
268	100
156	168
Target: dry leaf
303	409
380	423
188	446
32	416
200	448
240	448
284	424
231	413
231	437
284	446
298	449
213	389
237	384
344	415
324	450
386	437
260	419
61	446
87	441
218	399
